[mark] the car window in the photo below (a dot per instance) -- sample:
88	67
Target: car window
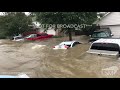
38	35
105	46
44	34
103	34
107	34
31	36
94	35
19	37
68	45
100	34
75	43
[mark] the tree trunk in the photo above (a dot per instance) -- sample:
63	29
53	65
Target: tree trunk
55	27
70	35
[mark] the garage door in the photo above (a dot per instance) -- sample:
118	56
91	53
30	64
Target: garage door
115	31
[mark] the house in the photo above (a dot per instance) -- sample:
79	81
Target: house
36	25
111	20
53	31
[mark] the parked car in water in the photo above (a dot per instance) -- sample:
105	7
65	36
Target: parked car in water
66	45
18	38
39	36
103	33
110	47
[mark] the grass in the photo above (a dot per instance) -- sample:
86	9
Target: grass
57	36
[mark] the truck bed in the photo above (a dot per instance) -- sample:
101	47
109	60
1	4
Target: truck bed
104	53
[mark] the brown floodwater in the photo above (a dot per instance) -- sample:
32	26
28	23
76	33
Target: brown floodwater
44	62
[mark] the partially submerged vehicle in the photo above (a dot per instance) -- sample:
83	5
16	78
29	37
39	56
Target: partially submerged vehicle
31	37
66	45
38	36
110	47
18	38
101	33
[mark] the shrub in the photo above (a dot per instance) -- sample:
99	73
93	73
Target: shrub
57	36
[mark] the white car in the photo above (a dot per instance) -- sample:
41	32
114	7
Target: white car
18	38
109	47
66	45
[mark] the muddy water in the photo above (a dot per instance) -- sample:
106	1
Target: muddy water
44	62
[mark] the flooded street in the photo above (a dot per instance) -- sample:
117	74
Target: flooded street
44	62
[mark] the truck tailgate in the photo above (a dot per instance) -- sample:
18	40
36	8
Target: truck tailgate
103	52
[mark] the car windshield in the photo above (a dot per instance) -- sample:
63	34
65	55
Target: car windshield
65	44
18	38
31	36
68	45
44	34
105	46
100	35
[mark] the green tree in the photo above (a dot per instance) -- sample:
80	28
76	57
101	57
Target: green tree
66	18
13	23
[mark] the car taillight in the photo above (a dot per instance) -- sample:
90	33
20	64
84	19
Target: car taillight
66	46
54	47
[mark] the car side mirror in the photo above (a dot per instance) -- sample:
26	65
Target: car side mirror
112	35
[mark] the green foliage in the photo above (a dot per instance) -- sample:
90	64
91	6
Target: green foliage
2	36
56	36
66	18
13	23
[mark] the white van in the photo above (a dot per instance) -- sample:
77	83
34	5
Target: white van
109	47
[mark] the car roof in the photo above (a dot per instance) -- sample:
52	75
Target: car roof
32	34
102	30
99	31
36	33
68	42
112	40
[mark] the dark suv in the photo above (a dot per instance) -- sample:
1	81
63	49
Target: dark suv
102	33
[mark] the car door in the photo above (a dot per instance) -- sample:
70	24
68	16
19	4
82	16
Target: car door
31	37
75	43
44	36
38	36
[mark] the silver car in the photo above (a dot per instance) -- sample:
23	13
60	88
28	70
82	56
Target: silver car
110	47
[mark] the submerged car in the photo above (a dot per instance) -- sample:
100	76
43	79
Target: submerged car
39	36
66	45
110	47
18	38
